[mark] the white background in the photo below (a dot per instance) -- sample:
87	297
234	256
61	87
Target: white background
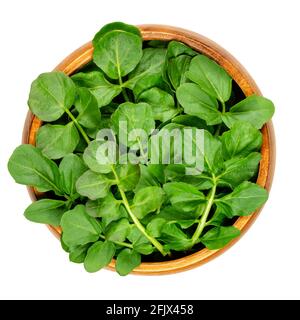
264	37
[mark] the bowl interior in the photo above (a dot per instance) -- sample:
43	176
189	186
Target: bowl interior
83	55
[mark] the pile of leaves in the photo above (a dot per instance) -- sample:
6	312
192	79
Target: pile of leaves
134	212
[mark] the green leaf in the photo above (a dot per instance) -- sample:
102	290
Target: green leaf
238	170
118	230
29	166
99	256
243	201
87	107
211	77
154	227
177	68
213	159
218	219
148	72
240	140
218	237
255	110
116	26
136	116
129	175
161	102
79	228
96	158
198	103
98	85
56	141
176	49
151	175
51	94
192	121
140	243
93	185
71	168
174	214
78	254
46	211
175	238
108	207
127	260
147	200
184	195
117	53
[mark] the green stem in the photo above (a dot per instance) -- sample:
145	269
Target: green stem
124	93
135	220
79	127
123	244
223	106
202	222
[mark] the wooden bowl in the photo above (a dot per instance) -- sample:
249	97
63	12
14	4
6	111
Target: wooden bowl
83	55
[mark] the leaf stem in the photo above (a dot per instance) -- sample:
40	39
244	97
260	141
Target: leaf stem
79	127
135	220
123	244
223	106
202	222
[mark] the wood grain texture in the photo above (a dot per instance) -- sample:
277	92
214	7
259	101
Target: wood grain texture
83	55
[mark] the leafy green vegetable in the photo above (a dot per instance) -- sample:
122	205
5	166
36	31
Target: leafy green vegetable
56	141
98	85
99	255
117	53
218	237
79	228
172	169
46	211
127	260
51	94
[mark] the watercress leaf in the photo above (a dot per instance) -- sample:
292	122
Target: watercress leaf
108	207
135	116
243	201
117	53
175	49
46	211
213	159
147	200
242	139
176	214
139	241
98	85
192	121
79	228
157	44
179	245
211	77
70	168
116	26
184	195
129	175
96	158
78	254
177	173
218	237
161	102
148	72
217	219
171	232
87	107
93	185
177	68
51	94
155	226
56	141
198	103
29	166
237	170
127	260
254	109
99	256
151	175
118	230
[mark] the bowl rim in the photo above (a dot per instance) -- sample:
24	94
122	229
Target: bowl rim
83	55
